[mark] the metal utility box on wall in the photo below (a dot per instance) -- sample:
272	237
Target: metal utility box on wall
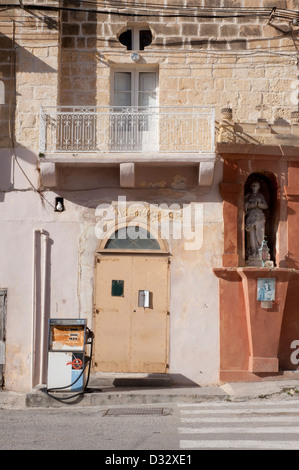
66	354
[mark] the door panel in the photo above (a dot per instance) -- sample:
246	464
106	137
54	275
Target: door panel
147	124
134	127
129	338
122	89
149	325
112	326
147	85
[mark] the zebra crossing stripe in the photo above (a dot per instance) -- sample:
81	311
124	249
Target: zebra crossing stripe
239	444
242	419
236	404
239	410
241	429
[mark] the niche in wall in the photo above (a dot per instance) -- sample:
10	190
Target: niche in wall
269	189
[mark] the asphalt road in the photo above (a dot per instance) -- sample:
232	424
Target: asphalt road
89	429
270	424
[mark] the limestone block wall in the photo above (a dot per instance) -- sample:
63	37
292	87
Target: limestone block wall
78	58
29	55
226	56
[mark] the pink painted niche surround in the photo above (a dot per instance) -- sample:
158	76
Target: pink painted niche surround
252	344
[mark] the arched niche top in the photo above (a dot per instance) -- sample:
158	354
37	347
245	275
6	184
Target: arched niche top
266	179
132	238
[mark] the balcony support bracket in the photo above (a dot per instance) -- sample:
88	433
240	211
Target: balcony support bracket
206	173
48	174
127	175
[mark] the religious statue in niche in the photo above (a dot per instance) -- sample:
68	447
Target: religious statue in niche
255	220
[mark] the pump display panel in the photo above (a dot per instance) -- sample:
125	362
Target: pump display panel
67	337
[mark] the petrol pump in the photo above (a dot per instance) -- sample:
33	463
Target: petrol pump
67	360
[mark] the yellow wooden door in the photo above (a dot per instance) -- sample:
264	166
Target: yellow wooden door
130	337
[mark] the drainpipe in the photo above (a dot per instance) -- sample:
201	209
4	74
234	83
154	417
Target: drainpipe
43	308
33	341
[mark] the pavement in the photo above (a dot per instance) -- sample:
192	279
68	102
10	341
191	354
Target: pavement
108	395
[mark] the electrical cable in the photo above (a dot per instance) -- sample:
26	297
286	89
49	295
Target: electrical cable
149	5
169	6
156	6
164	8
228	14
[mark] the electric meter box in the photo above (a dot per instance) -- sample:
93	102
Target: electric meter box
66	354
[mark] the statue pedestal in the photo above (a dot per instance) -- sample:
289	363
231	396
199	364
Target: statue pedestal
254	261
263	324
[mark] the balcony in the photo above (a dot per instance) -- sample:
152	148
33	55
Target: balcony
126	136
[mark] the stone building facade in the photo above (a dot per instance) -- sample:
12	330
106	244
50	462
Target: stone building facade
156	115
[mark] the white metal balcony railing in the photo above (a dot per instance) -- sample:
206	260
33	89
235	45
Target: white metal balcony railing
128	129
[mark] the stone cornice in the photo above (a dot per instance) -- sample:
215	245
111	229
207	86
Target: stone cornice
238	151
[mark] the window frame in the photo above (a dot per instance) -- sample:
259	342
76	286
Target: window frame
135	71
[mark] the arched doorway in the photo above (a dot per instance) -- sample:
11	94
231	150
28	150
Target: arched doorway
131	303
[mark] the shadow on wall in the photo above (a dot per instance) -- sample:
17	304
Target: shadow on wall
78	58
15	60
92	185
19	171
6	183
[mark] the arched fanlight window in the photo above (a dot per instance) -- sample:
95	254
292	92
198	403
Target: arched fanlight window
132	238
